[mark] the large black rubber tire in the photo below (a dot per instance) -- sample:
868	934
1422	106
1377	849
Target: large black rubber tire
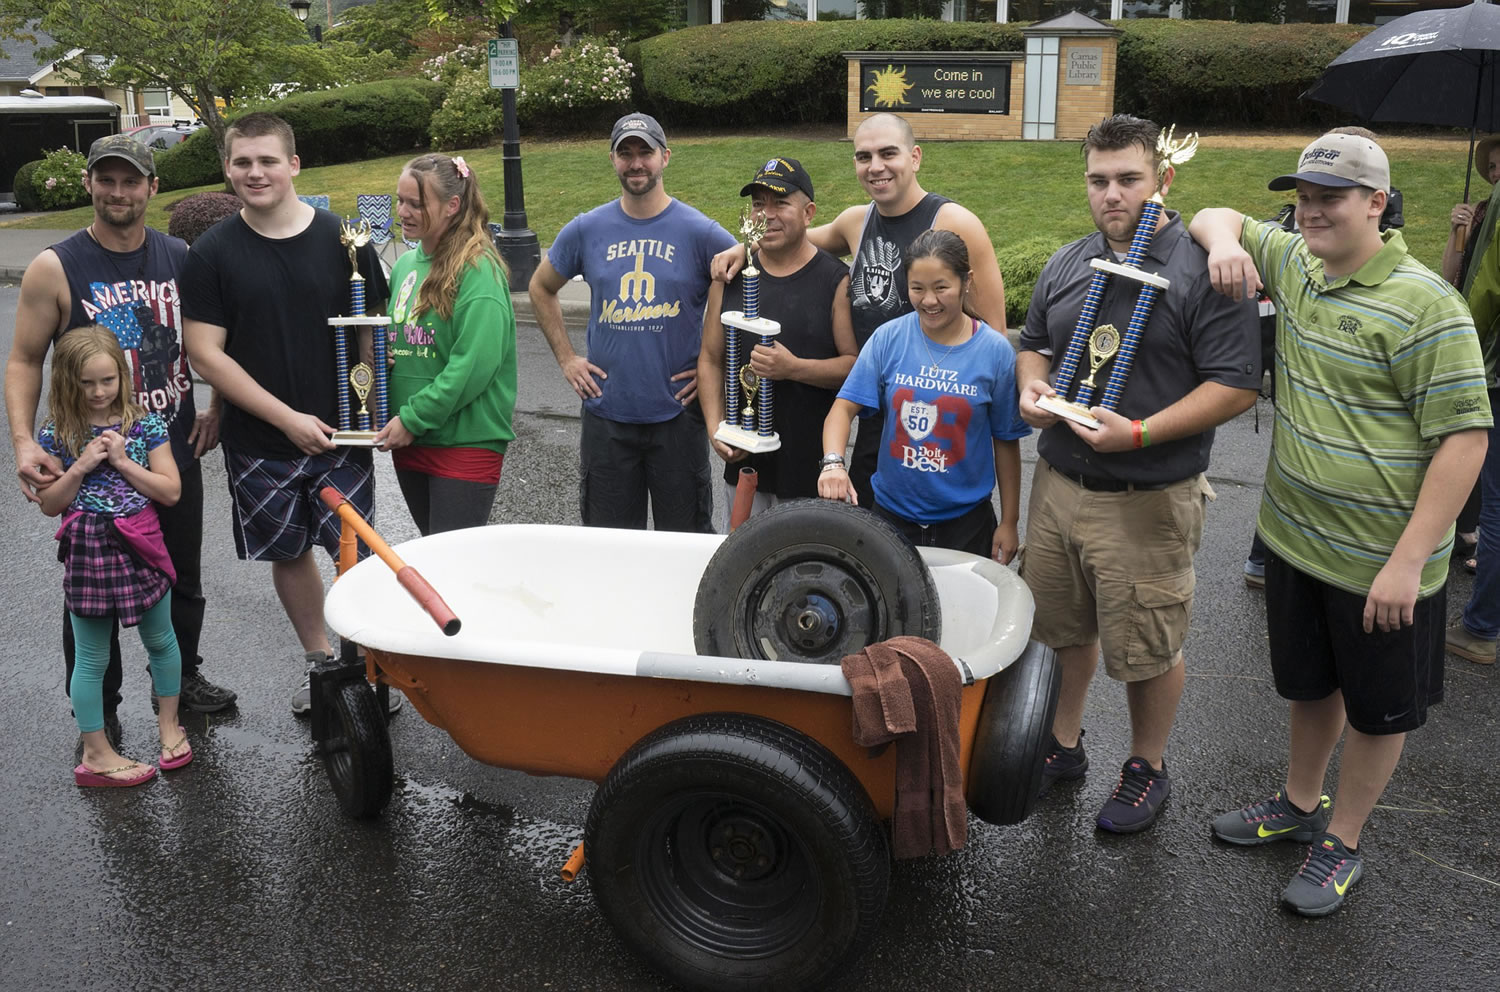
357	754
1010	743
813	581
734	853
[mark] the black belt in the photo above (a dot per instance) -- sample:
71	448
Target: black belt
1094	484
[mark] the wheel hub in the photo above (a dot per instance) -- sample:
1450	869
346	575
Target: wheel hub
743	849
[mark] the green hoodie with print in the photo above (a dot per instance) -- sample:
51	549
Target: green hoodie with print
454	381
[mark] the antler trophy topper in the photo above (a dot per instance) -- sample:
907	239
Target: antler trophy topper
747	425
1104	342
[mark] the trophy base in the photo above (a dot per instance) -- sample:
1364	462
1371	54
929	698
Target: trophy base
354	439
376	320
1069	411
738	437
760	325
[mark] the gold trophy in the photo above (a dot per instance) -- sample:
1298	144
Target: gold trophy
746	426
361	379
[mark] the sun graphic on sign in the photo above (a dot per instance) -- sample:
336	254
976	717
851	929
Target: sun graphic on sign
889	87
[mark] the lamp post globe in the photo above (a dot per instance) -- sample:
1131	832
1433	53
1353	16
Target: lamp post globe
300	8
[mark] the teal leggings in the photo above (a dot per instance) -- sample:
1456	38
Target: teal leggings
91	635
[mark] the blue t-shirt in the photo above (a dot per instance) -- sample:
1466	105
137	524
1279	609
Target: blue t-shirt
941	409
104	490
648	280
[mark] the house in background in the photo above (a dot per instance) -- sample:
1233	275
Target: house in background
21	70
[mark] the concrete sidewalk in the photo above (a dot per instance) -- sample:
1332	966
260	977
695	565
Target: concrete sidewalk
19	247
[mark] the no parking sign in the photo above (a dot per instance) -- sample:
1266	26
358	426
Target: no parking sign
505	64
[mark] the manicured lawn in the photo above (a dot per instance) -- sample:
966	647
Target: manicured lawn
1021	190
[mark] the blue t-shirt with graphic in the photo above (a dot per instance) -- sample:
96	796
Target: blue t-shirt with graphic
648	281
942	406
105	490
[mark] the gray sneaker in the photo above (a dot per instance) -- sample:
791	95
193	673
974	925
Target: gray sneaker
1320	884
1465	644
1272	820
302	698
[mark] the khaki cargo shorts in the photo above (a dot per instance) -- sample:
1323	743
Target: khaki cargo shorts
1114	566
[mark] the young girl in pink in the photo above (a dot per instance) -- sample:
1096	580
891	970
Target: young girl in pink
117	462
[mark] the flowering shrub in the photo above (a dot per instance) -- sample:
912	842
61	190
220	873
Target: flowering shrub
443	68
577	87
58	181
470	114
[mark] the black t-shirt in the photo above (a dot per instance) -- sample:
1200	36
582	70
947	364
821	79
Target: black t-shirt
274	297
877	276
803	304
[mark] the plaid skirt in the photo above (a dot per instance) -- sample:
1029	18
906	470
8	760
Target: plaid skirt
102	575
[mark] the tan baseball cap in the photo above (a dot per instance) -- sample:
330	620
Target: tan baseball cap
1339	160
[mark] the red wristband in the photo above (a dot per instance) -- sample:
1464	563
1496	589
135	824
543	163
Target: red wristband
1135	432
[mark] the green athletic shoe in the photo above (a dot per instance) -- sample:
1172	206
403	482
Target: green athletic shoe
1319	886
1272	820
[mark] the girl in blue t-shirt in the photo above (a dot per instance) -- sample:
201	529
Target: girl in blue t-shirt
947	384
117	460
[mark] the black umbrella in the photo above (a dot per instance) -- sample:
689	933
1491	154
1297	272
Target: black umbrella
1431	67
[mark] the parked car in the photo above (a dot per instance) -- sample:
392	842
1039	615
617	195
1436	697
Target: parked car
163	136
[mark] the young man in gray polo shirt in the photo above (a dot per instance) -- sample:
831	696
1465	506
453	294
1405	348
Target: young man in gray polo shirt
1116	514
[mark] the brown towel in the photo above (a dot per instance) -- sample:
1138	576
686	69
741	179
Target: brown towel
907	689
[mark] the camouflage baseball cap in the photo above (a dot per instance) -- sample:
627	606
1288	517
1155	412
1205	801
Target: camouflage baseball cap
125	147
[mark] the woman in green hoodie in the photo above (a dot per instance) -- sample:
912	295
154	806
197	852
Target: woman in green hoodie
453	350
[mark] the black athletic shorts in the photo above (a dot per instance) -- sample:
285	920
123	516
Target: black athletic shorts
1319	644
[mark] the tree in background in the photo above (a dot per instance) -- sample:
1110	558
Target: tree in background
202	50
383	26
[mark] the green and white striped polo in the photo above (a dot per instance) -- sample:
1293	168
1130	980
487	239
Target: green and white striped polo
1373	369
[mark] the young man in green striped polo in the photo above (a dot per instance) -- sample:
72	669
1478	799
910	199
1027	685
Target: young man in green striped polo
1381	424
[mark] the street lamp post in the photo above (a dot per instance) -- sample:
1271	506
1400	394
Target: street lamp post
300	8
516	242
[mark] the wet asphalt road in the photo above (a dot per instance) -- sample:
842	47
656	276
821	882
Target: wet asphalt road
240	872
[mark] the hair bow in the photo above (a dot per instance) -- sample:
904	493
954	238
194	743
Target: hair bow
461	166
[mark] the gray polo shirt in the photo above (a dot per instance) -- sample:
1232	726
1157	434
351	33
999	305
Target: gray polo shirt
1195	335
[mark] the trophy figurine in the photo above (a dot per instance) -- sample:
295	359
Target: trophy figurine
1105	344
747	425
358	428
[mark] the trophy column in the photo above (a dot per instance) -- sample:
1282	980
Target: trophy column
748	426
358	378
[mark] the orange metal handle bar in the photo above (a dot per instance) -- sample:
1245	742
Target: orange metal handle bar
411	580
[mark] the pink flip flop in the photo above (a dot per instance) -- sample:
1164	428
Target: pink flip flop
85	776
170	764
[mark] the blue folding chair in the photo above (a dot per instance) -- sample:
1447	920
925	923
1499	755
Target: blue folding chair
315	200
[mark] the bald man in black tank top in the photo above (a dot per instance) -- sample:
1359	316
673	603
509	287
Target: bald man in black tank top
887	159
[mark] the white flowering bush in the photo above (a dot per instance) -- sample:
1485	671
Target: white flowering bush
444	68
576	87
470	115
58	180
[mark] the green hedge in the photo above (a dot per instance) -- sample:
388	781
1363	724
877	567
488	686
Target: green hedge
1192	73
367	120
1020	264
1198	73
27	197
193	162
777	72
